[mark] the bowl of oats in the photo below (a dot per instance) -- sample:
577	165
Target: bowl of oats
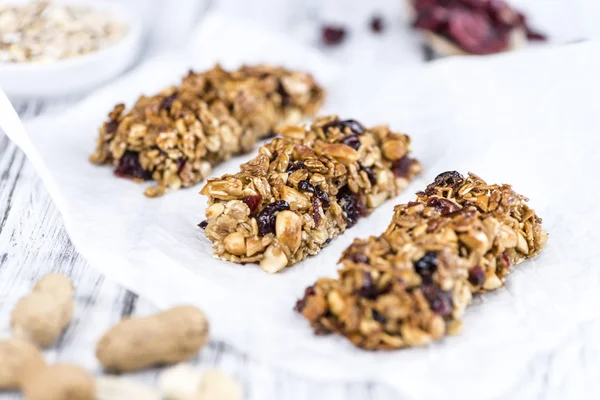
62	47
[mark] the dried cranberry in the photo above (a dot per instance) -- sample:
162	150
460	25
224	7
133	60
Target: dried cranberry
316	204
333	35
180	163
351	124
432	19
368	288
378	317
130	167
377	24
442	205
370	174
352	205
401	167
203	224
253	202
506	260
301	303
426	266
305	186
321	195
266	218
352	141
168	102
439	301
286	99
295	166
476	276
535	36
111	126
469	29
359	258
448	179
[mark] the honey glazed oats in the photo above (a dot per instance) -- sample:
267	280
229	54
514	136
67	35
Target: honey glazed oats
178	135
303	189
411	285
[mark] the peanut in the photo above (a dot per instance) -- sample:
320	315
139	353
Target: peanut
17	356
111	388
41	316
168	337
58	382
184	383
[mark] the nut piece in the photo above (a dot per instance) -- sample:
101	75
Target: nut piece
168	337
112	388
274	259
180	382
235	243
41	316
288	228
343	153
16	357
394	149
216	385
59	382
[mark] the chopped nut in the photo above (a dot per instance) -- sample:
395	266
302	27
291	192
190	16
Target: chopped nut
274	259
288	228
235	243
394	149
343	153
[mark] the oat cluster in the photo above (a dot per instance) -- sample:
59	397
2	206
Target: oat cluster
303	189
178	135
412	284
44	31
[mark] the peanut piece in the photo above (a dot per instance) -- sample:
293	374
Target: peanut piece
16	357
41	316
59	382
180	383
168	337
216	385
111	388
288	229
235	243
274	259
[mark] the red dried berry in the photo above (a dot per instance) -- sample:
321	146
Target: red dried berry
111	126
305	186
351	124
359	258
401	167
444	206
377	24
470	30
332	35
317	211
168	102
266	218
439	301
203	224
352	205
130	167
352	141
301	303
253	202
477	276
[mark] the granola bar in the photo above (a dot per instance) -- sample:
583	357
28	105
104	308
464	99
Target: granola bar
178	135
412	284
304	189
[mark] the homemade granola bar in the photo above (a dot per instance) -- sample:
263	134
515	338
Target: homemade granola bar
411	285
304	189
176	136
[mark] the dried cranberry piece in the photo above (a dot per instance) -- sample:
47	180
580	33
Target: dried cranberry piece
266	218
444	206
351	124
352	141
477	276
370	174
111	126
316	204
253	202
130	167
321	195
203	224
535	35
401	167
426	266
469	29
180	163
377	24
352	205
378	317
168	102
368	288
305	186
506	260
359	258
286	99
432	19
301	303
333	35
295	166
439	301
450	179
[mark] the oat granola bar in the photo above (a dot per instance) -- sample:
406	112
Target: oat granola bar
412	284
304	189
176	136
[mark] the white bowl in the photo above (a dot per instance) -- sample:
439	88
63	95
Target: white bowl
80	73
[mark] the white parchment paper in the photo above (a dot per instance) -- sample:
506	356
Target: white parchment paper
528	118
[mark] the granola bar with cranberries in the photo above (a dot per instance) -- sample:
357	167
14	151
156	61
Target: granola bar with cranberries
412	284
304	189
178	135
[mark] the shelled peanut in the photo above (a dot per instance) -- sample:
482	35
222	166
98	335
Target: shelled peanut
182	382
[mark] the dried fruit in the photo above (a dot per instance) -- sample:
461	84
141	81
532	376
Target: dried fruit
266	218
351	124
168	102
370	174
477	276
377	24
442	205
401	167
352	204
439	301
352	141
426	265
253	202
333	35
203	224
130	167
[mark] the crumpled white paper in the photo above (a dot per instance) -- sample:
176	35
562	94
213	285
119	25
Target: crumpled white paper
528	118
